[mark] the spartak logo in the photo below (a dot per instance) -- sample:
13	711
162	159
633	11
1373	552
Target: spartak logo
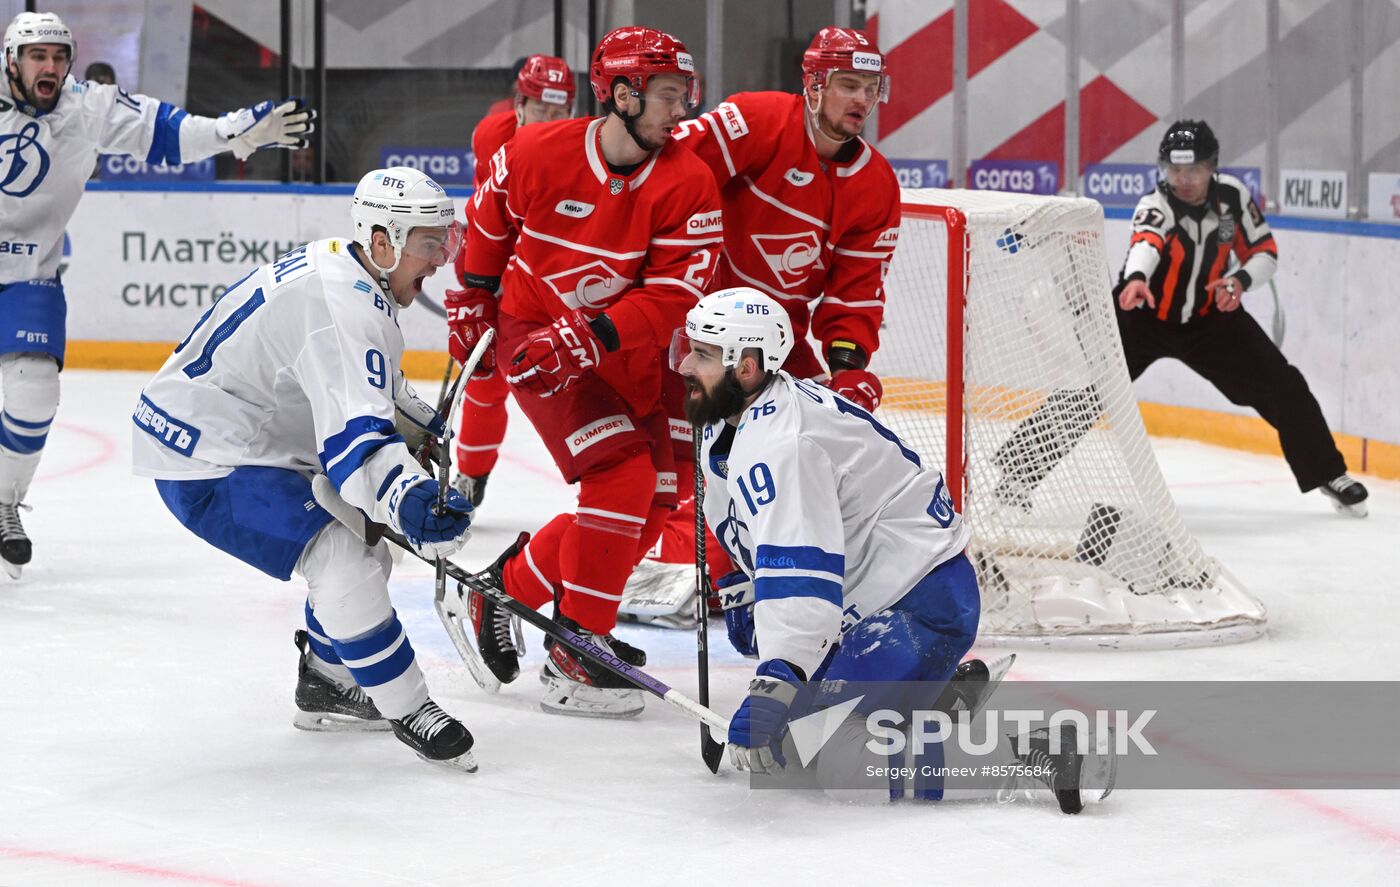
791	257
595	285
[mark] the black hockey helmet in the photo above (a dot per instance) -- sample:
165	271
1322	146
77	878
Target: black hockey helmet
1189	141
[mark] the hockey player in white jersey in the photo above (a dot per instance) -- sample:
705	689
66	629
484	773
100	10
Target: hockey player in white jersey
52	128
850	551
295	371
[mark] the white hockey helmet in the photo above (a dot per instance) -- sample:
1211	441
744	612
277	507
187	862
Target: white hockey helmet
399	199
734	319
29	28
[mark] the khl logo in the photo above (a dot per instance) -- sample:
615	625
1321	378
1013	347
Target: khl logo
23	161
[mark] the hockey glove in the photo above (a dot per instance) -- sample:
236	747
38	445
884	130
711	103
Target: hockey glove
860	387
555	357
413	511
267	125
471	312
757	729
736	596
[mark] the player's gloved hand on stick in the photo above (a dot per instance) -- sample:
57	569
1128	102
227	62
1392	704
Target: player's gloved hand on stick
555	357
284	124
736	596
471	312
860	387
413	508
757	729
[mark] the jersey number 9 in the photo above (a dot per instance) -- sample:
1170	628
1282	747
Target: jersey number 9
378	373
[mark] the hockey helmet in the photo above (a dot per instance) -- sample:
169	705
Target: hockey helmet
399	199
546	78
636	55
29	28
844	49
1188	142
734	319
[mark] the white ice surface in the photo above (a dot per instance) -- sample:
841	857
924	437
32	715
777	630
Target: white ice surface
146	699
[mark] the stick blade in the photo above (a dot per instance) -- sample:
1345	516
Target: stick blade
711	752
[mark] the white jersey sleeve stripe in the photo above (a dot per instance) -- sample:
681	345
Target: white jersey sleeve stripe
346	451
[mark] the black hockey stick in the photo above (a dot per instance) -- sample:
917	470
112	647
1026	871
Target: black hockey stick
710	750
371	532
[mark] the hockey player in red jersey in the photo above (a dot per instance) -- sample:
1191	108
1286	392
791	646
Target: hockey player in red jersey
811	218
602	233
544	92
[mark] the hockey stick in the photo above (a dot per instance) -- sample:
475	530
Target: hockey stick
361	526
446	378
451	609
710	750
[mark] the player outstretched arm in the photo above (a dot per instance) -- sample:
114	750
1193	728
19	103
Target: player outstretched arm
160	132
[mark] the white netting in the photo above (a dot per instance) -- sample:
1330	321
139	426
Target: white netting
1075	536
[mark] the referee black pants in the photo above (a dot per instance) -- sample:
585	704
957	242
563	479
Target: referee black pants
1234	354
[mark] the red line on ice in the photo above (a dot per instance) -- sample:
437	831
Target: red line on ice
130	868
106	448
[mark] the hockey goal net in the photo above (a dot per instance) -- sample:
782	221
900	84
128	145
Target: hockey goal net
1002	363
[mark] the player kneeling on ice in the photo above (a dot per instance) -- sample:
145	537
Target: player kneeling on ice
850	551
52	127
295	372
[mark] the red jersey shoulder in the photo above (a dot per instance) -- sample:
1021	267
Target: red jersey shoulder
492	132
762	112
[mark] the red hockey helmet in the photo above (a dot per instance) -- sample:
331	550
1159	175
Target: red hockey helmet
637	55
546	78
845	49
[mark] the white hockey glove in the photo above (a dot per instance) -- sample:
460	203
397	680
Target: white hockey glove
267	125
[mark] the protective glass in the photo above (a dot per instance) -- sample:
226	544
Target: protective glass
436	245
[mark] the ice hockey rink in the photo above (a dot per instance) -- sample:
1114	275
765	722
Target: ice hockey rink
147	705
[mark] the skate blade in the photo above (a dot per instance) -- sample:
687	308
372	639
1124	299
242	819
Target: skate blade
1099	772
13	570
463	763
566	697
454	621
1357	510
329	722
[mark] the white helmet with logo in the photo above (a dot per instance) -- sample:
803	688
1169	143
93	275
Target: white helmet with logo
399	199
29	28
738	318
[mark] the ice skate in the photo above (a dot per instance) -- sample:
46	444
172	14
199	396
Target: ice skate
15	548
1072	777
325	703
1347	494
437	737
493	654
474	488
634	656
575	685
972	684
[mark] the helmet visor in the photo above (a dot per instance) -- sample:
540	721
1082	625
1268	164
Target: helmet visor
680	349
436	245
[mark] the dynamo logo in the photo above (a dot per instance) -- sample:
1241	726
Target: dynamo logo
23	162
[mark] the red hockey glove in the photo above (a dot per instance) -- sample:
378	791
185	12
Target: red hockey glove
470	313
860	387
556	356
